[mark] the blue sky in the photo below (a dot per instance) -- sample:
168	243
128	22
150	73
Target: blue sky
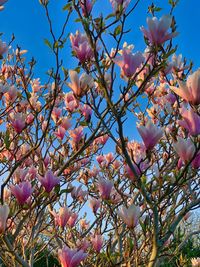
25	18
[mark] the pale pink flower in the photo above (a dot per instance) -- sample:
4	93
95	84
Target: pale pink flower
150	134
129	62
60	133
104	186
78	193
184	148
72	219
189	91
18	122
30	118
119	4
4	212
130	216
191	121
62	217
49	181
22	191
195	262
81	46
11	94
65	123
35	84
76	134
86	6
80	85
97	242
86	111
157	32
94	204
56	112
70	257
71	102
3	48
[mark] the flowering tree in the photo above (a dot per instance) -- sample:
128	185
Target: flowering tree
76	189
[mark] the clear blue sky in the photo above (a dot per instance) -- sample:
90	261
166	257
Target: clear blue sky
25	18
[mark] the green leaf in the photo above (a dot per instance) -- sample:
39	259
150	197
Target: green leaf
117	30
83	123
46	41
67	7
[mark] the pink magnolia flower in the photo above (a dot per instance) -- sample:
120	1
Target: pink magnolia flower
30	118
86	6
60	133
70	257
191	121
80	85
71	102
65	123
157	33
86	111
3	47
72	219
56	112
150	134
189	91
4	212
78	193
184	148
94	204
49	181
195	262
76	134
81	46
130	216
129	62
35	84
118	4
62	217
97	242
11	94
104	187
18	122
196	161
22	191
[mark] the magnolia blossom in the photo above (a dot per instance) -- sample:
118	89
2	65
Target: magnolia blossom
60	133
157	32
81	46
62	216
49	181
18	122
191	121
195	262
150	134
70	257
4	212
86	6
129	62
3	48
72	219
97	242
184	148
119	4
130	215
80	85
104	187
94	204
86	111
22	191
71	102
189	91
76	134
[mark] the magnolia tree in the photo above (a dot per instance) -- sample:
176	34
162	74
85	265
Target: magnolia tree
76	189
